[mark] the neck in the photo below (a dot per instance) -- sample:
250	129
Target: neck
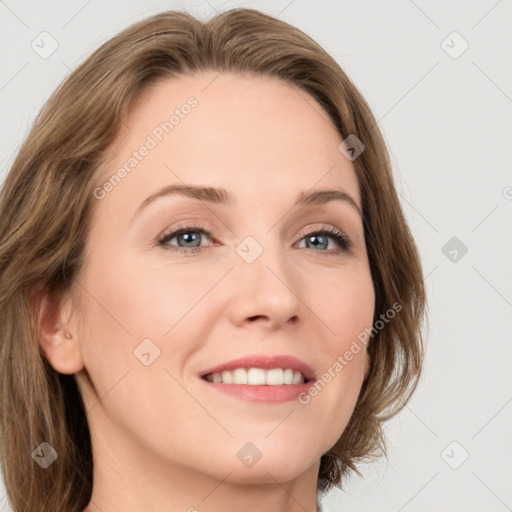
131	478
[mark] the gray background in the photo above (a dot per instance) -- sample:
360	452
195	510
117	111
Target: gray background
446	116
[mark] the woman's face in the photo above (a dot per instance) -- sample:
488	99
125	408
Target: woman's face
248	280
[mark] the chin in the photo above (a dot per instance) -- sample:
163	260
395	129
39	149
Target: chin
281	465
266	473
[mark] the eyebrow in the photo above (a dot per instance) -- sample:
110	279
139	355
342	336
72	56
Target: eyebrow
217	195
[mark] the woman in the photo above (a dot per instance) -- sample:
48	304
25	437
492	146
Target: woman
209	291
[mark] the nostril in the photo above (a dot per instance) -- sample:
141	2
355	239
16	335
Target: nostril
256	317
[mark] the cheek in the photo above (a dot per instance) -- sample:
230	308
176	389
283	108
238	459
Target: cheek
123	308
347	309
119	313
142	299
347	306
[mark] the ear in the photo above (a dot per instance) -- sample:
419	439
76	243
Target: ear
57	336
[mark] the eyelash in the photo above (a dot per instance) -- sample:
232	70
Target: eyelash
344	243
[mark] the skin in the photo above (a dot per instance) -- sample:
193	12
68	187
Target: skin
161	440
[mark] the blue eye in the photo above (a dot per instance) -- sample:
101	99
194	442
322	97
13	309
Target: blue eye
321	239
189	240
184	233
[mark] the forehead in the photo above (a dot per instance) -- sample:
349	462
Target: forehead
252	134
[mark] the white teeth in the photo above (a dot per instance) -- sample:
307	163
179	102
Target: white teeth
257	377
275	377
239	376
227	377
297	378
288	376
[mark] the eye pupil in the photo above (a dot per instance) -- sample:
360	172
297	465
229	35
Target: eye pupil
323	243
189	237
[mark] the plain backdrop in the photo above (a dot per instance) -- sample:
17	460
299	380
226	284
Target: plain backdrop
438	77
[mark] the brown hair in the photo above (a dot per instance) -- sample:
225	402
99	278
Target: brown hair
45	210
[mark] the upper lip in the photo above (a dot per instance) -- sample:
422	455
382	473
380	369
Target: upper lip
265	362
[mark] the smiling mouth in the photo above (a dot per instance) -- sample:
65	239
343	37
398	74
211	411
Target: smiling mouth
257	377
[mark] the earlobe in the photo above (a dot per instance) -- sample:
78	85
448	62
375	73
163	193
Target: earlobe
55	336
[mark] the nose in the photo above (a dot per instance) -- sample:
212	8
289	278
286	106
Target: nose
266	291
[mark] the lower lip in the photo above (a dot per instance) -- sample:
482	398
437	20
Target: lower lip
275	394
